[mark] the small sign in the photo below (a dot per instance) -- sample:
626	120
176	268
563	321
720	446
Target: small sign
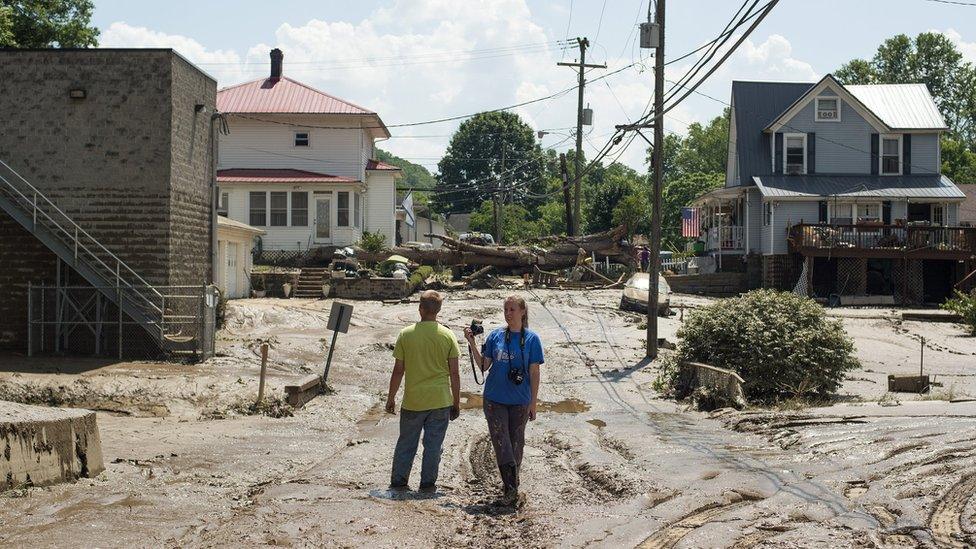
339	317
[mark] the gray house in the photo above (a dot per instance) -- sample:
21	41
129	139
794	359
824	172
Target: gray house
837	190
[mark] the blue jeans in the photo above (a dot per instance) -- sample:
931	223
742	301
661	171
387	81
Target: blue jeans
434	425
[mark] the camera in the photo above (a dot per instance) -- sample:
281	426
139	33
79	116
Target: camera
516	376
477	328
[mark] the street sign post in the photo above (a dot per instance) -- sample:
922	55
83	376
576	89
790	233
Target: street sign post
338	322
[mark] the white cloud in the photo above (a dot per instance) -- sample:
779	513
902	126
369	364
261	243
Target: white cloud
420	60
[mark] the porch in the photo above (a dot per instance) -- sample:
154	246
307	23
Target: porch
876	240
723	214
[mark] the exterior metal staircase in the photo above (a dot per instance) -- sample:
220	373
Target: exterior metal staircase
139	300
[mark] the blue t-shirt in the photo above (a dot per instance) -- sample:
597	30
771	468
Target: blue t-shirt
498	387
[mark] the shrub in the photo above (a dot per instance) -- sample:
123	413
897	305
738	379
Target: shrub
781	344
419	276
372	242
965	306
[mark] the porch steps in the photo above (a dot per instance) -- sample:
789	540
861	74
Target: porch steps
310	281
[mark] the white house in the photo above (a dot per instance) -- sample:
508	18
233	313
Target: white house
298	163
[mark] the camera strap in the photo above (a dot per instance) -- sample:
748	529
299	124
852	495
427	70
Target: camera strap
508	337
474	370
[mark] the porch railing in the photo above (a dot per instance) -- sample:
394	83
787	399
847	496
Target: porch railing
896	238
725	238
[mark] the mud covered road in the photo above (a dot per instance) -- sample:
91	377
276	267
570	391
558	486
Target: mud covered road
608	463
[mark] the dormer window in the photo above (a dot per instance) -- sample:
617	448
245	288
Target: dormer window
795	159
301	139
828	109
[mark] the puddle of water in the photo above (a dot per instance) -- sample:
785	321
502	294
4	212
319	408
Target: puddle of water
474	401
597	422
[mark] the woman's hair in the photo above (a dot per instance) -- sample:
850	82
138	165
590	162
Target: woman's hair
525	309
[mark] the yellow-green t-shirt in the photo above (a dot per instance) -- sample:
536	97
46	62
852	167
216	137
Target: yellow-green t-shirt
424	349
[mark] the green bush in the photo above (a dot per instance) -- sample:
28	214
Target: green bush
965	306
781	344
372	242
419	276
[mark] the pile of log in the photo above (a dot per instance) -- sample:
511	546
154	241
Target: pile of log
550	253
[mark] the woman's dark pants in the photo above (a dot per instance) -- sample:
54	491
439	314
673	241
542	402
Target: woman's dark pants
506	426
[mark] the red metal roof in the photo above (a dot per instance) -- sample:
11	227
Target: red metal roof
373	164
284	96
253	175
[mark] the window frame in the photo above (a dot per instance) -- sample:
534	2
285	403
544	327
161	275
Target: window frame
292	209
816	108
881	154
273	211
223	198
357	210
251	210
340	210
786	140
944	214
767	214
308	139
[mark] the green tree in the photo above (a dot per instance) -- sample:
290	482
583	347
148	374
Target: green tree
677	194
958	163
932	59
704	149
552	218
47	24
489	152
633	212
514	218
608	186
415	176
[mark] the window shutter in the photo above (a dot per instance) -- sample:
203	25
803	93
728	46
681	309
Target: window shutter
886	212
811	152
906	153
823	211
778	164
875	155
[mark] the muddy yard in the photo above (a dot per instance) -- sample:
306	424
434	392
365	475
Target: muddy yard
608	463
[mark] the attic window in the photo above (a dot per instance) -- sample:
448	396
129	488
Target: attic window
301	139
828	109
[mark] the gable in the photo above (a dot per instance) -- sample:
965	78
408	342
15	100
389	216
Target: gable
827	87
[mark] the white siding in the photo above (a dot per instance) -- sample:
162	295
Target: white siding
293	238
952	215
243	271
925	153
425	225
257	144
381	205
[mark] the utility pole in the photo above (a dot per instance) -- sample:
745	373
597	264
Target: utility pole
564	171
658	160
581	66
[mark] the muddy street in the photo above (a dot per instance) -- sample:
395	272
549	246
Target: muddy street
608	463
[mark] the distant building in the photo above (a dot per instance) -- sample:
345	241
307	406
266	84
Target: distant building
299	164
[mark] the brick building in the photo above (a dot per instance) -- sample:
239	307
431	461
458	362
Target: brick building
115	143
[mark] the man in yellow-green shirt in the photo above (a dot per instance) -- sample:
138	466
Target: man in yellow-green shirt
427	354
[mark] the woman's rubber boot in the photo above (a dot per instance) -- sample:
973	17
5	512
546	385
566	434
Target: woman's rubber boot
511	483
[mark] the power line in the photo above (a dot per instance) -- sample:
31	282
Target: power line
955	2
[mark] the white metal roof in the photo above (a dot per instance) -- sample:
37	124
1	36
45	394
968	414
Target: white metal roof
900	106
880	186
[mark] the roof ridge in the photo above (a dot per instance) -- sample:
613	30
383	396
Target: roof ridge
241	84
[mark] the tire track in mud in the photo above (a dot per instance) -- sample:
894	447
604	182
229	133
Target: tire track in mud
946	519
670	535
704	444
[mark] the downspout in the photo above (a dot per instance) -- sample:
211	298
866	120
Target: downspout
772	225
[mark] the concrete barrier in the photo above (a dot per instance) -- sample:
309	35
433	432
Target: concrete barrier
724	385
47	445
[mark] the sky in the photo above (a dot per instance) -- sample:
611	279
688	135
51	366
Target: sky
420	60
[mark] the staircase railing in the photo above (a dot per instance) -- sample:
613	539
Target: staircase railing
41	210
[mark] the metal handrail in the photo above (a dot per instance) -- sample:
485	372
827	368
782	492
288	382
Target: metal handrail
72	237
78	229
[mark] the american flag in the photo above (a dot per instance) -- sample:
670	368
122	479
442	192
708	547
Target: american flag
690	222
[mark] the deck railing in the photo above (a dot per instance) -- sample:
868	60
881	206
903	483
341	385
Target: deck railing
895	238
725	238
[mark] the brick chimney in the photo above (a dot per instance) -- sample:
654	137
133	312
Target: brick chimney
276	59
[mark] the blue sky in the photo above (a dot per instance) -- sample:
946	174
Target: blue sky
412	60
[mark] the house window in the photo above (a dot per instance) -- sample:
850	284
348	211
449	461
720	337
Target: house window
258	209
891	155
938	214
279	209
842	214
342	209
795	159
828	109
767	213
356	211
299	209
301	139
222	199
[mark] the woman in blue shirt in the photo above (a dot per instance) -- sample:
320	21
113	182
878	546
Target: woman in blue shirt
512	356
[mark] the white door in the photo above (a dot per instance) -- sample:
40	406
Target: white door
230	272
323	219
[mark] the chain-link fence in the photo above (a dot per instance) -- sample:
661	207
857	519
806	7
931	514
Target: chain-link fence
89	320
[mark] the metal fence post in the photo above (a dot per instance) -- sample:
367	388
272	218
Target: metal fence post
30	320
118	293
